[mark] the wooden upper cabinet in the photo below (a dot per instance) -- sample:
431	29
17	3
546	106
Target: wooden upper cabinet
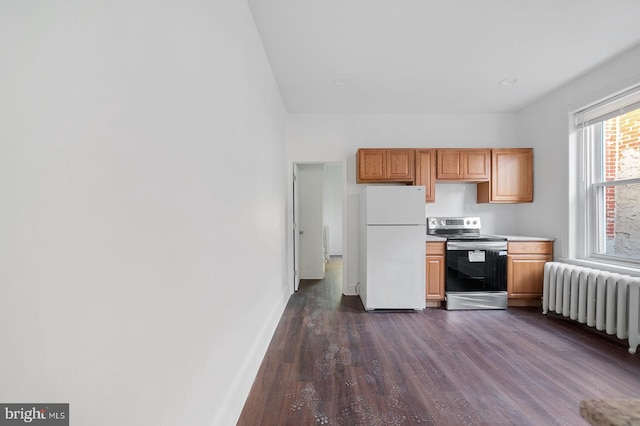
470	165
449	164
400	165
371	165
503	175
477	164
385	165
511	177
426	172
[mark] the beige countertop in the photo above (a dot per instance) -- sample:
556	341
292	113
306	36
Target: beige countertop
525	238
433	238
611	412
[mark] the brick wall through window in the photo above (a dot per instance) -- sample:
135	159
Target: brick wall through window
622	160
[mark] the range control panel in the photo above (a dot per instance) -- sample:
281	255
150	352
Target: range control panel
442	223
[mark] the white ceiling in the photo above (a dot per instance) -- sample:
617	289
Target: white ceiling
436	56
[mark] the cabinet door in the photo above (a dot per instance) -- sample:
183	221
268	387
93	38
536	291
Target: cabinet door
464	164
435	277
372	165
426	172
449	164
525	275
525	268
435	271
400	164
512	175
477	164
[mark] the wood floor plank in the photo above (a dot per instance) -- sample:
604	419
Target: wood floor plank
330	362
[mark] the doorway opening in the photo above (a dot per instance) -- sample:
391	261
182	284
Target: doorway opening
318	221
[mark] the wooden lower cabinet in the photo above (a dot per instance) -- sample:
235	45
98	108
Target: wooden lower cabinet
525	268
435	273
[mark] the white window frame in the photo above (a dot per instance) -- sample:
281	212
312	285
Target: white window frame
586	230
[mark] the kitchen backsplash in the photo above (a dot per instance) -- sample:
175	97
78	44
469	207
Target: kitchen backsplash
459	199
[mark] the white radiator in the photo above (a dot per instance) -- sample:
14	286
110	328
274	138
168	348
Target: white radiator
608	301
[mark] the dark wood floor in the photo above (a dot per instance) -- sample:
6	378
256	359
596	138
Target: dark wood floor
330	362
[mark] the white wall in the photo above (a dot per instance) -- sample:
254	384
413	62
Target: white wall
142	222
545	126
330	138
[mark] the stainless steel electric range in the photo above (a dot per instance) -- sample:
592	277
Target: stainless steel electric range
476	264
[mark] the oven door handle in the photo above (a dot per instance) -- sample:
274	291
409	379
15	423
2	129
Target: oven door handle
477	245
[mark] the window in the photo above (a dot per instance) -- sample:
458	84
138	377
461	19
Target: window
608	136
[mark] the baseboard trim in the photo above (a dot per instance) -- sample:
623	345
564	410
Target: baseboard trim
350	290
232	405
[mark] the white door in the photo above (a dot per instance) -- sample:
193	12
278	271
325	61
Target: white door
296	229
310	185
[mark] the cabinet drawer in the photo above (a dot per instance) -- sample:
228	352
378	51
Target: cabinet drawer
530	247
435	249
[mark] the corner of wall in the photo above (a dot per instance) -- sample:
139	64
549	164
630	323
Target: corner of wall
232	406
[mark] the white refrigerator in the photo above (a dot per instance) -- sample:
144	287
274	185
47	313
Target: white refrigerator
392	247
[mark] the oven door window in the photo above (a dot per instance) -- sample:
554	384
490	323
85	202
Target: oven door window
476	270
